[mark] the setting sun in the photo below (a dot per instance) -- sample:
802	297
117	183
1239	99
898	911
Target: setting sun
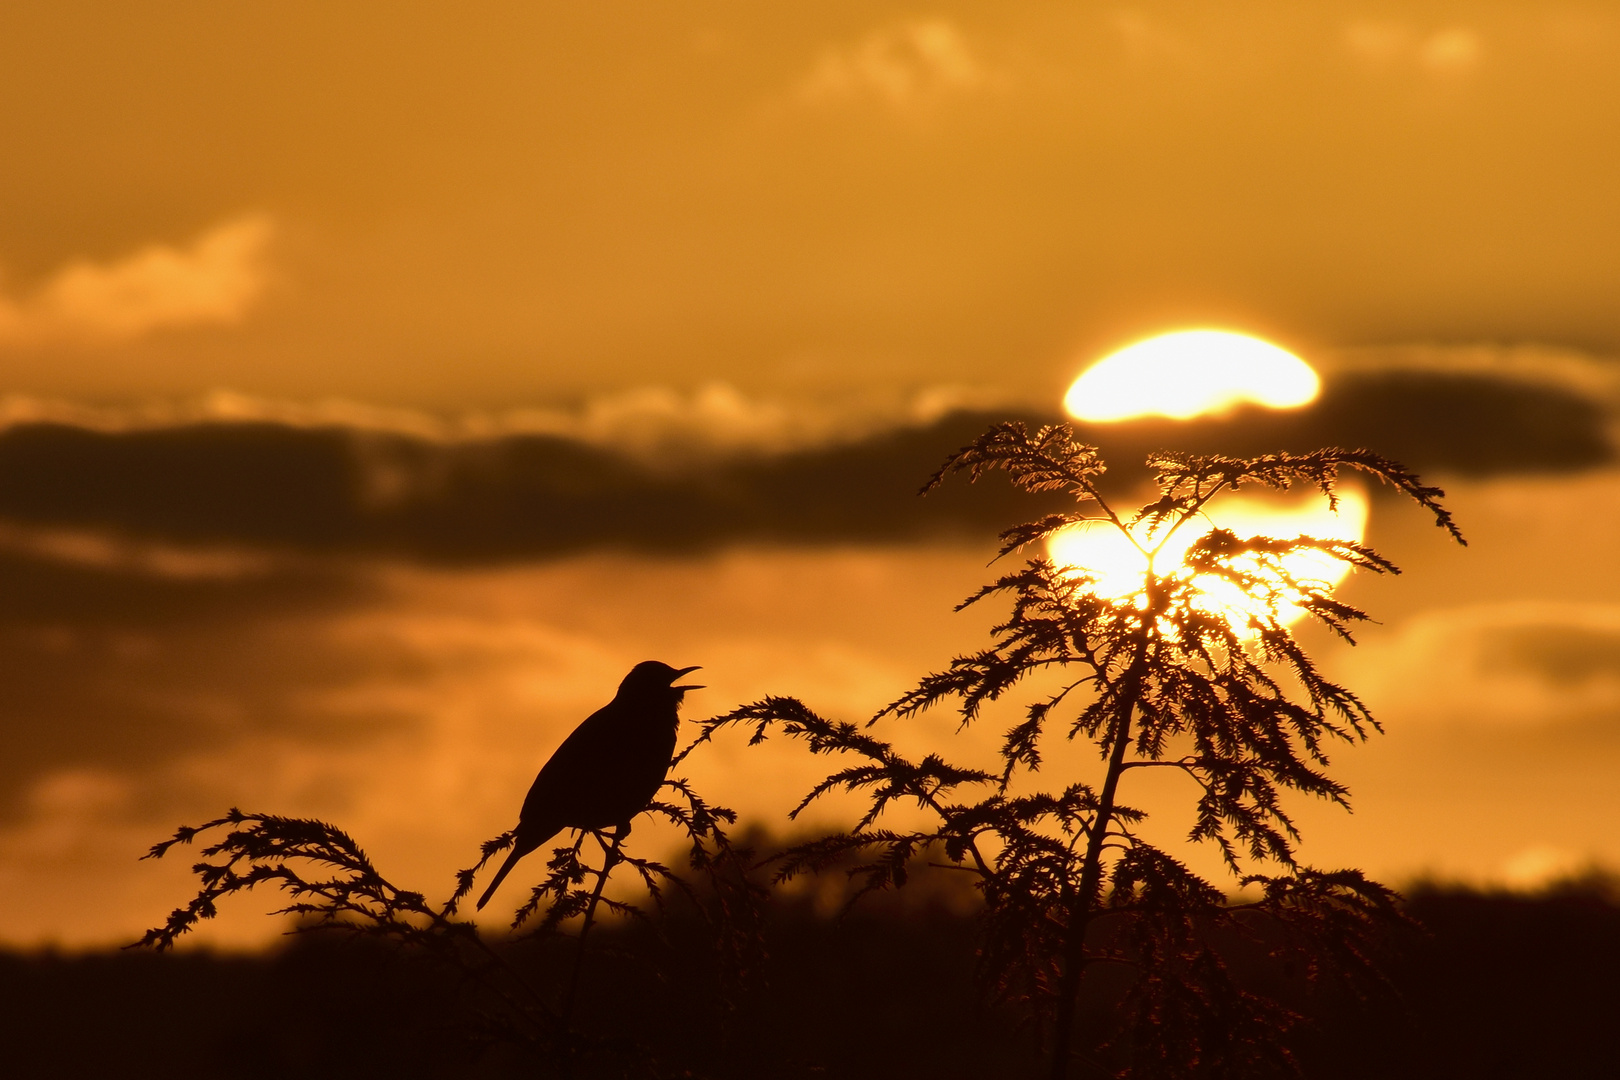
1190	373
1118	565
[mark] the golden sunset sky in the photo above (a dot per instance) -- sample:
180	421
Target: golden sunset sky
381	381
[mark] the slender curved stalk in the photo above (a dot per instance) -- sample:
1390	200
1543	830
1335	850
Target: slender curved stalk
608	863
1084	903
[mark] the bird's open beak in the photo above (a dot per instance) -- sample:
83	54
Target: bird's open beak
684	671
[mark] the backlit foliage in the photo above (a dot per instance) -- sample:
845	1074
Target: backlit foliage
508	997
1158	679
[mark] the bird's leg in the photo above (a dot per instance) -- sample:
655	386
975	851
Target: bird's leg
610	858
620	831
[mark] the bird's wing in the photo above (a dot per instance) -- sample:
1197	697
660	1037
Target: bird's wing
577	769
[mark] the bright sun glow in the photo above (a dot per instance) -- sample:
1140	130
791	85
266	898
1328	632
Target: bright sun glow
1190	373
1119	567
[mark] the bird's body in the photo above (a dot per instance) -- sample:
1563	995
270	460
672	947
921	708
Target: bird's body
609	769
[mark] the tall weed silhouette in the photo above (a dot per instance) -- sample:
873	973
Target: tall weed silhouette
1159	678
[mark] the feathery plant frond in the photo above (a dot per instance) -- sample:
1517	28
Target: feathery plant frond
329	878
1165	676
332	884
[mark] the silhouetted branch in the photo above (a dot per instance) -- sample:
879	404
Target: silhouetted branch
332	884
1168	678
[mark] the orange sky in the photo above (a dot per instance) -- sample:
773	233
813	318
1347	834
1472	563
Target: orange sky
731	230
534	201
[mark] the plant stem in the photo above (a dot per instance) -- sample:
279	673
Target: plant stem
609	861
1085	900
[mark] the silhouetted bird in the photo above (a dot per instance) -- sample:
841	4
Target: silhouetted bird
609	769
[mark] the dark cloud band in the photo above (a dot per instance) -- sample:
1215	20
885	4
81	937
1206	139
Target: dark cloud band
519	497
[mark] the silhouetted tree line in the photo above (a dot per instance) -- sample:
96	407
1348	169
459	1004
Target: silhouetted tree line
1495	986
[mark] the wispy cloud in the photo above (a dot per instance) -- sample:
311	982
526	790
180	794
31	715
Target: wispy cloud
1590	375
655	424
1446	52
215	279
1512	664
906	67
1148	39
115	554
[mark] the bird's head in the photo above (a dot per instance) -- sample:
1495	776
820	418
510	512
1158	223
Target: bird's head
655	677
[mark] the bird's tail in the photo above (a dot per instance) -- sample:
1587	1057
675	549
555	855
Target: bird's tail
500	875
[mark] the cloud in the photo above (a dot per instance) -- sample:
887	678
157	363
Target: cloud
1434	421
657	425
1511	664
112	667
910	66
215	279
1566	654
332	489
118	554
1571	371
659	472
1149	39
1447	52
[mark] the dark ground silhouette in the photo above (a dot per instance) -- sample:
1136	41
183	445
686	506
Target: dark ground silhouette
1500	986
